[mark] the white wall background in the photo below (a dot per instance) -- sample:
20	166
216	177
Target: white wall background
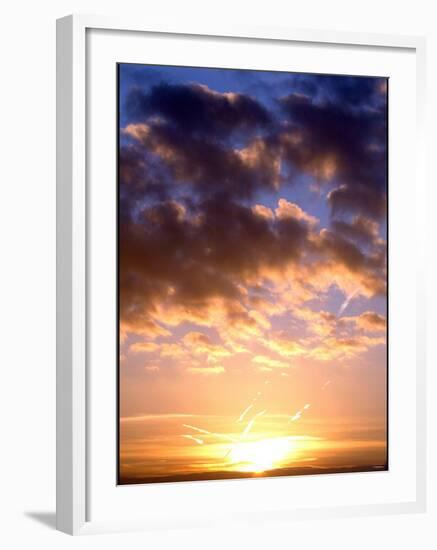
27	271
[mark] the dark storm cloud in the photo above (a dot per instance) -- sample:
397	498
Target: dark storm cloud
207	164
190	128
369	320
197	110
350	255
194	254
342	141
348	91
141	179
358	198
187	258
361	230
342	250
332	141
194	162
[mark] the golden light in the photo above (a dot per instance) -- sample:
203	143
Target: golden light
258	456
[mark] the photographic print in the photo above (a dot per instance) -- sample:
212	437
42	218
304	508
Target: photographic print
252	273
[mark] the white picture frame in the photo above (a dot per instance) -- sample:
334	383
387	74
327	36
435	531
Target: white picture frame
73	345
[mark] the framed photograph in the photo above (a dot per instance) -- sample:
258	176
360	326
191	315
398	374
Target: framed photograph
240	331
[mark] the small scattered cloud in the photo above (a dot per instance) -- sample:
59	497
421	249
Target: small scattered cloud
370	321
270	363
207	371
144	347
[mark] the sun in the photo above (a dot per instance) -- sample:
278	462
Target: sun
259	456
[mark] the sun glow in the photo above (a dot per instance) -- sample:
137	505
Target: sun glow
258	456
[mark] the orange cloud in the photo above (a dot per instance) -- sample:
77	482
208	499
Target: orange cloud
206	370
268	362
200	344
370	321
176	269
141	325
288	209
259	156
144	347
173	351
322	322
285	347
263	211
336	348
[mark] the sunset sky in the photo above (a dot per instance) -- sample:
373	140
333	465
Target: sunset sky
252	272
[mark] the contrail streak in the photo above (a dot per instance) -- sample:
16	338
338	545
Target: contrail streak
243	414
192	438
300	412
202	431
196	429
346	303
251	423
246	430
249	408
326	384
